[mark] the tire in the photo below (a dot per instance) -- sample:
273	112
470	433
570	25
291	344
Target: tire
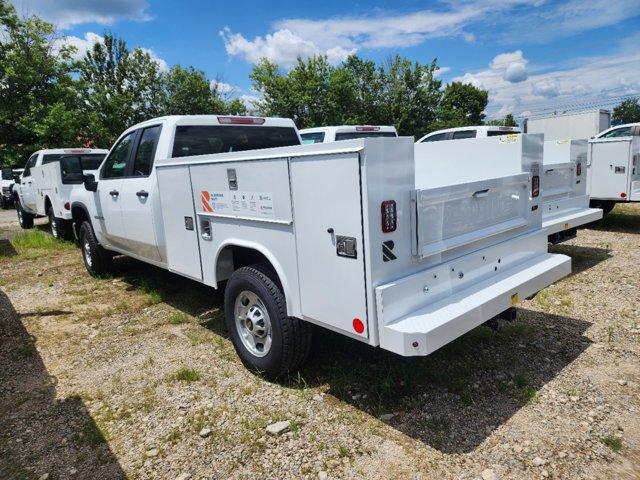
97	260
605	205
255	313
24	218
60	228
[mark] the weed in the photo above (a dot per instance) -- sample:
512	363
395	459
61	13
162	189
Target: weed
186	375
177	318
614	443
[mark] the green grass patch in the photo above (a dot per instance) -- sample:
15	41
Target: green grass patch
187	375
32	244
177	318
614	443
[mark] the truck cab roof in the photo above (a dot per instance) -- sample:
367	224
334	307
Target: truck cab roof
477	131
345	132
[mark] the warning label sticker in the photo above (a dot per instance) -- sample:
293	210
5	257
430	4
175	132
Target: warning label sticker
238	203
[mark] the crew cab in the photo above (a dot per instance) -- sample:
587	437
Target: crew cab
614	166
8	177
46	183
345	132
458	133
563	181
323	234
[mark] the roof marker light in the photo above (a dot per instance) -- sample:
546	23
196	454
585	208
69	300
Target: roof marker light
367	128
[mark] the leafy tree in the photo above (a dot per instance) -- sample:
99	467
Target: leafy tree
628	111
462	104
507	121
38	103
188	92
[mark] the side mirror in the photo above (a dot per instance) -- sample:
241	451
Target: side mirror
90	183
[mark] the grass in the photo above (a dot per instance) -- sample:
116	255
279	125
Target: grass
187	375
33	243
177	318
614	443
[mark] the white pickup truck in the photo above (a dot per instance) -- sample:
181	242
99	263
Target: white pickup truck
342	235
345	132
563	181
614	166
8	178
47	182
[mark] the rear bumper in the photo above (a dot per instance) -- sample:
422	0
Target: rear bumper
427	329
571	219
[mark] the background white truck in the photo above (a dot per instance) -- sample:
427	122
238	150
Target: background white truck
46	183
8	178
342	235
614	166
563	176
568	126
345	132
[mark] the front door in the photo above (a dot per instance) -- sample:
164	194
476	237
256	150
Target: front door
109	223
139	194
27	187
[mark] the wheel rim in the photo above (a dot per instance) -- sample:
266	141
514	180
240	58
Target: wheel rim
253	323
86	250
19	209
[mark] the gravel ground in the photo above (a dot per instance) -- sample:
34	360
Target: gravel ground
133	376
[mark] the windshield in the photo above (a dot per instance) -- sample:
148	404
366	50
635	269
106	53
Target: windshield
90	161
310	138
352	135
7	174
207	139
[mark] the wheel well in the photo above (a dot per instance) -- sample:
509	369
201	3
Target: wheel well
79	214
233	257
47	204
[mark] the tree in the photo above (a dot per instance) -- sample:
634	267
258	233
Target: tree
507	121
119	88
628	111
188	92
462	104
38	102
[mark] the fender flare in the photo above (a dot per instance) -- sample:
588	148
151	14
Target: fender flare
236	242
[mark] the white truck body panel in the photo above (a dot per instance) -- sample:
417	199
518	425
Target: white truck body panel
564	192
338	132
614	169
581	125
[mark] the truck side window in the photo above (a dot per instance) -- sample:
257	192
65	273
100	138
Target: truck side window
116	164
435	138
618	132
464	134
143	160
30	164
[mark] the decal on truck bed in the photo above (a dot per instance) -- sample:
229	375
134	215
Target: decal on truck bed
238	203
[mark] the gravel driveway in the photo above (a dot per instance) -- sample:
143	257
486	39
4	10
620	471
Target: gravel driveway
133	376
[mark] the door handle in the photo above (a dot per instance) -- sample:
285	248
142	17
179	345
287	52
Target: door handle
142	194
114	193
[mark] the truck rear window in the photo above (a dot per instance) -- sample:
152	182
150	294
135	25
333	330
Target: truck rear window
90	161
207	139
310	138
497	133
352	135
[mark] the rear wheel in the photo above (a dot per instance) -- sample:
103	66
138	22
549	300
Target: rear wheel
24	218
265	338
97	260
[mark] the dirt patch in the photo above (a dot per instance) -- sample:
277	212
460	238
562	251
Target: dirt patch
133	376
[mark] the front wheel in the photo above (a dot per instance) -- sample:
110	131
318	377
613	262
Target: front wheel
24	218
265	338
97	260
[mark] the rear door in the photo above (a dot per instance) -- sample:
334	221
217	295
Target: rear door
328	229
138	193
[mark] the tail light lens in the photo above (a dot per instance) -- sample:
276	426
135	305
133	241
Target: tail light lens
579	169
535	186
67	206
389	216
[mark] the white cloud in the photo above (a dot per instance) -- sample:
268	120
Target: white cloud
222	87
83	45
67	13
441	71
590	79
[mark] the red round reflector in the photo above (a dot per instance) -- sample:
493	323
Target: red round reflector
623	195
67	206
358	326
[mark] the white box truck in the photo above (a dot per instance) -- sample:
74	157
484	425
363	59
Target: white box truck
567	126
345	132
614	166
46	183
561	167
342	235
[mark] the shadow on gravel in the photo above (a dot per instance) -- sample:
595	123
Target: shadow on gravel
623	219
6	249
582	258
40	433
455	398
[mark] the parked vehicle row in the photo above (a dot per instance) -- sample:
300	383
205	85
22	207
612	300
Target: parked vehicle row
8	178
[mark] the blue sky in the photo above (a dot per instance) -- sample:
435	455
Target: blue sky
532	55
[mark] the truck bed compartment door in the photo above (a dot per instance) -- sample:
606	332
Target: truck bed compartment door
610	168
179	220
328	227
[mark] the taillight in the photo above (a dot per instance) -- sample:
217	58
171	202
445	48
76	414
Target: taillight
367	129
579	169
389	216
241	120
535	186
67	206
